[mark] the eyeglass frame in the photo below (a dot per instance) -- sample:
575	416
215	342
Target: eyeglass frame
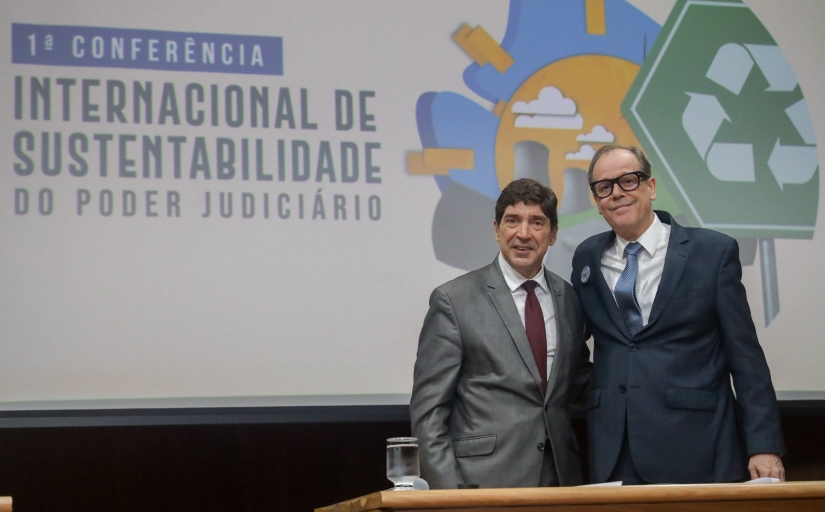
615	181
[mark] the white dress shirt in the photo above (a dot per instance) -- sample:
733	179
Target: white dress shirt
651	264
514	281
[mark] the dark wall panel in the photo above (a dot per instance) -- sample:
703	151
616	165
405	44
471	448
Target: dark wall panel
239	468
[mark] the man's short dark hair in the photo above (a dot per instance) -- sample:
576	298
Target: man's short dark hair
644	163
528	191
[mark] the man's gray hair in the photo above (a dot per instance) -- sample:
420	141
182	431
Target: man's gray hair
644	163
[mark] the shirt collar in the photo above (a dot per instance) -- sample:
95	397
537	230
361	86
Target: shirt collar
649	239
514	280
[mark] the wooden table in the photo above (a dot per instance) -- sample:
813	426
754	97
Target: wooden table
776	497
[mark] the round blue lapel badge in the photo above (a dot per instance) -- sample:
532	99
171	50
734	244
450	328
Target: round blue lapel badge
585	274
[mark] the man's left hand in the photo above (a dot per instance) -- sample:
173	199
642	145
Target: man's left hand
764	465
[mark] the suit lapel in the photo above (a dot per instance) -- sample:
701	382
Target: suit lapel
559	312
678	250
602	290
503	302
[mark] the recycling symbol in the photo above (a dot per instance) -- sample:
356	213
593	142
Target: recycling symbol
727	129
726	125
734	161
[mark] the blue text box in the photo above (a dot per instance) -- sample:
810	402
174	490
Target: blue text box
64	45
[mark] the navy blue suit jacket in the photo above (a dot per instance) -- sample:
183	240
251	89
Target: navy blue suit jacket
670	384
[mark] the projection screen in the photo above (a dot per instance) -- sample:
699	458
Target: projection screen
247	204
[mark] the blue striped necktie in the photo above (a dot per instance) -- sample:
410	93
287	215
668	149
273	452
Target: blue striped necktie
625	291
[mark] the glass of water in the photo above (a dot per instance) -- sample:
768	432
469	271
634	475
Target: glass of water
402	462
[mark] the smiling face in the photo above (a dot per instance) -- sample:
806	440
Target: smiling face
524	235
629	213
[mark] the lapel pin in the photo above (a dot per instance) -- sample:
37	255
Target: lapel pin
585	274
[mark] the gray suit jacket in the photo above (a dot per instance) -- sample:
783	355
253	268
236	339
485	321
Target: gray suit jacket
477	407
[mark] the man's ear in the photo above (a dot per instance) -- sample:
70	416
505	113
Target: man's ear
554	232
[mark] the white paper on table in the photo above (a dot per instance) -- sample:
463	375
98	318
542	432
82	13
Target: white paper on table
604	484
763	480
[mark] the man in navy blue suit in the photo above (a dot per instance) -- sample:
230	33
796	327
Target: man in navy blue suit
671	325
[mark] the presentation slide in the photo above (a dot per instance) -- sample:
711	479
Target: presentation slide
221	204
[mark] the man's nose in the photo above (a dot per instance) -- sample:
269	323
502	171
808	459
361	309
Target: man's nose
617	192
523	230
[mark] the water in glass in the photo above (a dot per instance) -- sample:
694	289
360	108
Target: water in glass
402	462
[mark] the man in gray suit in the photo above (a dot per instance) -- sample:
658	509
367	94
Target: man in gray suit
500	355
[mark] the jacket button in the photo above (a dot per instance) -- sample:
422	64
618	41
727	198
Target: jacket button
540	447
632	347
622	389
546	407
558	292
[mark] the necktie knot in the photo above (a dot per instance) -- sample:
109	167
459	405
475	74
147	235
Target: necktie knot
633	248
529	286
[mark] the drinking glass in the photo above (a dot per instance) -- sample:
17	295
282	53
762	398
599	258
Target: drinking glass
402	462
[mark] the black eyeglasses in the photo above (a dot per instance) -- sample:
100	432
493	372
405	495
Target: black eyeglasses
627	182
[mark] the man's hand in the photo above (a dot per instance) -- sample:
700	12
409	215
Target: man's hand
766	465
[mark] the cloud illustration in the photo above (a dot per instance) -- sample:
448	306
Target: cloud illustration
597	134
585	152
563	122
550	102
